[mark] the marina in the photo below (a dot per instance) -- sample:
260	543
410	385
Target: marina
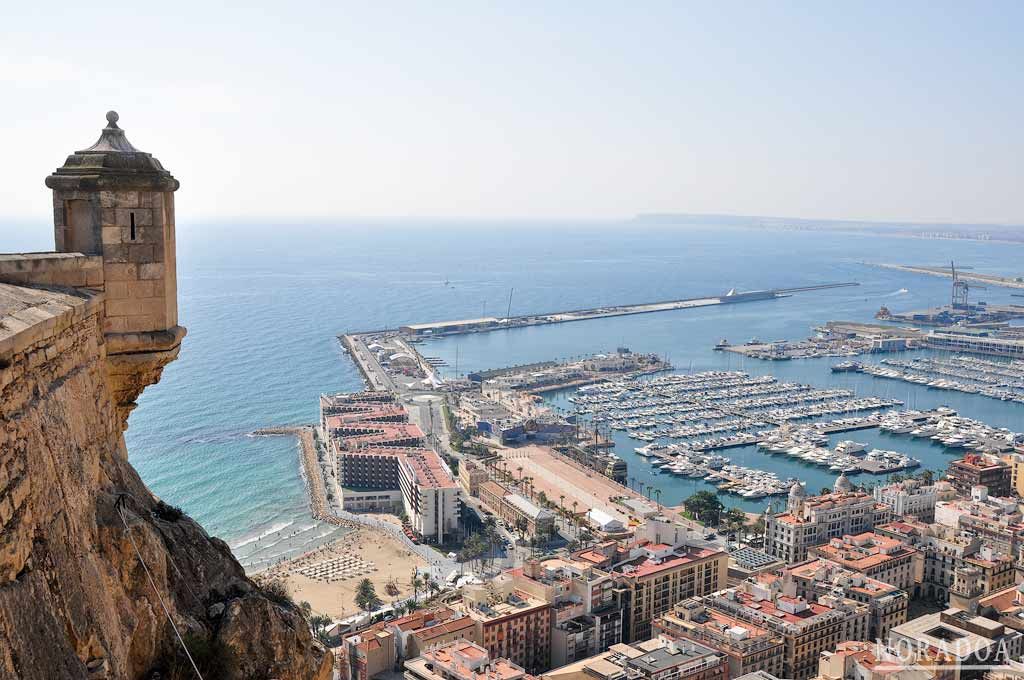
971	375
713	409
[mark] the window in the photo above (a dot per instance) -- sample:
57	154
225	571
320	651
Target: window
131	217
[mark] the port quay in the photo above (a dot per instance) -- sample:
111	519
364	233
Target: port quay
485	324
703	414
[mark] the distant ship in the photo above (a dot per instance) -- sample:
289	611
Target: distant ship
721	344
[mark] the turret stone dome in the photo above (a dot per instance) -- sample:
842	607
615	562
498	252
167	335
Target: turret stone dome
112	163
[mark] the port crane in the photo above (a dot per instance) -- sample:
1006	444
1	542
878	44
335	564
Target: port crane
961	289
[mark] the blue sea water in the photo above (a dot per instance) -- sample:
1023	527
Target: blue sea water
264	302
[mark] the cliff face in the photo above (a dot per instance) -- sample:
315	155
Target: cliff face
76	600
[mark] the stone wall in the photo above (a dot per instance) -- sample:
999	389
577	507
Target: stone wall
52	269
75	599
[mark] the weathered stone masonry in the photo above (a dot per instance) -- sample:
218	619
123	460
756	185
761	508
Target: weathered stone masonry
82	333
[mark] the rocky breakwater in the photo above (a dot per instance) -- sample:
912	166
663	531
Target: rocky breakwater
98	578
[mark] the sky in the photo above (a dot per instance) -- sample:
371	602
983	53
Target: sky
906	111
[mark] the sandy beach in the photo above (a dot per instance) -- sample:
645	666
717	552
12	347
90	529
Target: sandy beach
365	553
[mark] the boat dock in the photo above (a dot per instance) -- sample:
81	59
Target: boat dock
486	324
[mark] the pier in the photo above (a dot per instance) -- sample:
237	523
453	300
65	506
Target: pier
486	324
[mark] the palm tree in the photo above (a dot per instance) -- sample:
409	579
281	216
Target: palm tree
657	492
416	584
520	470
561	502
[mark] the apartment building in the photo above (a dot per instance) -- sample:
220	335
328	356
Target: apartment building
366	654
977	469
381	466
887	604
586	606
430	495
661	658
941	551
748	647
997	521
909	498
511	623
857	660
462	660
807	627
964	645
814	520
422	630
881	557
655	576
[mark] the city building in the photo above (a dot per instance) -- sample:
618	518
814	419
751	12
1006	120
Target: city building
381	466
909	498
974	344
748	647
807	627
745	562
471	476
816	577
858	660
517	511
997	521
941	551
1016	462
422	630
976	469
511	623
962	644
587	609
367	653
462	660
430	495
662	658
814	520
881	557
656	576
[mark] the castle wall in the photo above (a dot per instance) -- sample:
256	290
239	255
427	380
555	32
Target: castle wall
75	601
52	269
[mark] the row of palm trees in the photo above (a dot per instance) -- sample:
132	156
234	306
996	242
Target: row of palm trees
640	486
499	469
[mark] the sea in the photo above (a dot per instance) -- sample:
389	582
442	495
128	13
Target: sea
264	303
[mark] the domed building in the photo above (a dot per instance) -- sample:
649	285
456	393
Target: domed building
843	484
797	494
813	520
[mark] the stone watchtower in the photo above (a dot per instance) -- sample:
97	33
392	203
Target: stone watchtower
113	214
116	203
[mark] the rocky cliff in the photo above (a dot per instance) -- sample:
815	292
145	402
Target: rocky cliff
89	558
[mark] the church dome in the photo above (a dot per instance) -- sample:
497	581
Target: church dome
843	484
797	490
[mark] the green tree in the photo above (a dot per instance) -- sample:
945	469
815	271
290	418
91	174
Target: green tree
366	596
319	623
927	477
734	519
705	506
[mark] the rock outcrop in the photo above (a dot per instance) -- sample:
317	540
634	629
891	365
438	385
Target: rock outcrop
76	600
98	578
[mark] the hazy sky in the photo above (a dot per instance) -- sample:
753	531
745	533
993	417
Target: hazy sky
861	110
